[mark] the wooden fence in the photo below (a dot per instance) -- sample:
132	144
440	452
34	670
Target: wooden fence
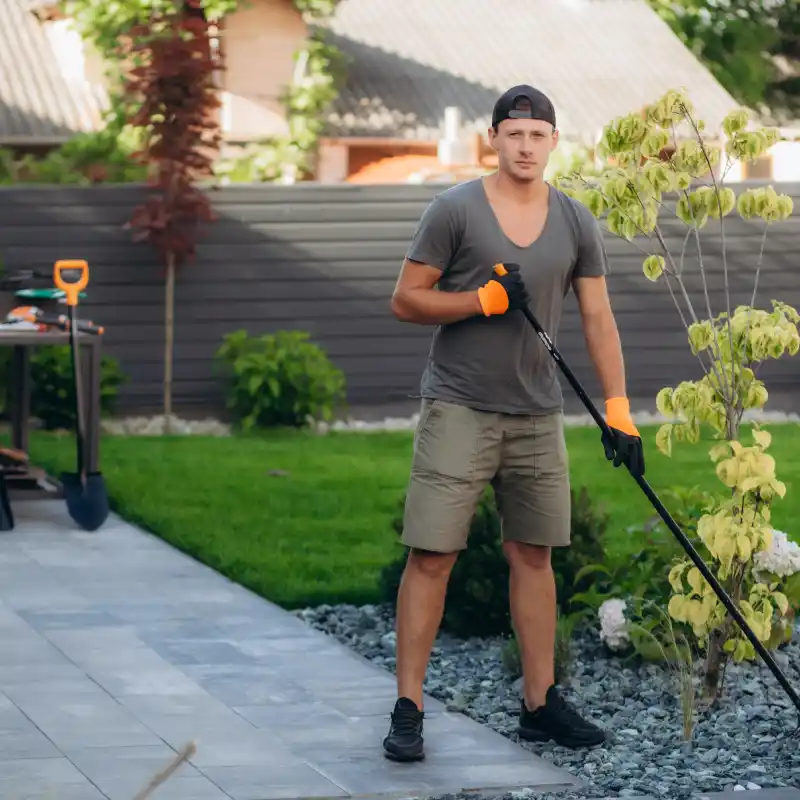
325	259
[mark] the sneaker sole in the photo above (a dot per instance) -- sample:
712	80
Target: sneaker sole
403	757
574	744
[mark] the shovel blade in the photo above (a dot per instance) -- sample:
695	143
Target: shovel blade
87	503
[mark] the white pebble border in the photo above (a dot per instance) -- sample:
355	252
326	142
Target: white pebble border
570	421
156	425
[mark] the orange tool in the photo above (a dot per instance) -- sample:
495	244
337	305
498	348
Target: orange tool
84	491
72	278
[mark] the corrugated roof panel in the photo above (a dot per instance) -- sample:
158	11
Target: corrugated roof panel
597	59
38	104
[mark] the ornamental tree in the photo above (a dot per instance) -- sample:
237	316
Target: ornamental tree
652	158
171	86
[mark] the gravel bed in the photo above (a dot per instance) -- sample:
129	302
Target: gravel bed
745	745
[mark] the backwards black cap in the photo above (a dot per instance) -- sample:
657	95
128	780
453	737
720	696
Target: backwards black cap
507	106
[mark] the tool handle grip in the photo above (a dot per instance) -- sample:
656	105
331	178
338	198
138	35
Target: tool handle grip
72	277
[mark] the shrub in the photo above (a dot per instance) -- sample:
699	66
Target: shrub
730	346
106	156
565	627
633	585
279	379
589	526
645	573
477	596
53	386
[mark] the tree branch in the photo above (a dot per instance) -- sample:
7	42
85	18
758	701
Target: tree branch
723	379
724	252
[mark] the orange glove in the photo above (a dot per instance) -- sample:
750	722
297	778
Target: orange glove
625	446
506	292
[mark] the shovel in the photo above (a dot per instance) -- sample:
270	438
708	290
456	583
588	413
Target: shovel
665	515
85	492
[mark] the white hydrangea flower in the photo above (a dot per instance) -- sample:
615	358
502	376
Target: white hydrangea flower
781	558
613	626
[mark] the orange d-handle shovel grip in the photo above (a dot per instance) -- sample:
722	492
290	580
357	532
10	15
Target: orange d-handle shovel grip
71	289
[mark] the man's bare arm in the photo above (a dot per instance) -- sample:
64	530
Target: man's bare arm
415	298
601	334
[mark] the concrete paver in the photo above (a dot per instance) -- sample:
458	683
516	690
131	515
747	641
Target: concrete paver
117	649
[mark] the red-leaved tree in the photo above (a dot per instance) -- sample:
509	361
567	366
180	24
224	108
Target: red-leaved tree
171	87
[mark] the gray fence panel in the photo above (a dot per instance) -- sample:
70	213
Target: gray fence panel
325	259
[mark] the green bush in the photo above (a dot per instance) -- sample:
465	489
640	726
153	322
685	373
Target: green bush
643	575
53	386
104	156
279	379
641	579
589	526
477	596
562	651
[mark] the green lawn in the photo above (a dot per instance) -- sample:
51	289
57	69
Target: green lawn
320	530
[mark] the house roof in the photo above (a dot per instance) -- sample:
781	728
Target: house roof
39	103
596	59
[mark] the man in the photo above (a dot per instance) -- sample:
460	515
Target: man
492	405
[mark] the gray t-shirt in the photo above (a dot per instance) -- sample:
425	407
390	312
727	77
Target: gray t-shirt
498	363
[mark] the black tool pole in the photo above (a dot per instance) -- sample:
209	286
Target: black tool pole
670	522
79	424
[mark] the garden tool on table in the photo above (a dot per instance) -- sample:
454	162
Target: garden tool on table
44	320
85	492
22	288
609	437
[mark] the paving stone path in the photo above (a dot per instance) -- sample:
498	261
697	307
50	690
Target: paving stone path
116	650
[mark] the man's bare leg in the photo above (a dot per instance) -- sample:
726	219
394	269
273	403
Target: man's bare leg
420	606
533	609
532	596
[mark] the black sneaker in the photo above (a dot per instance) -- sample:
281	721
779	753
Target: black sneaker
559	721
404	742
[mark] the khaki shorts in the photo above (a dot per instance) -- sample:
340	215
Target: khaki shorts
459	452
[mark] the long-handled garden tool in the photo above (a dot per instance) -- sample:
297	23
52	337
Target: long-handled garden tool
85	492
663	513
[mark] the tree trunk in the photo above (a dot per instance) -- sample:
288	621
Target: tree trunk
714	667
712	670
716	658
169	334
